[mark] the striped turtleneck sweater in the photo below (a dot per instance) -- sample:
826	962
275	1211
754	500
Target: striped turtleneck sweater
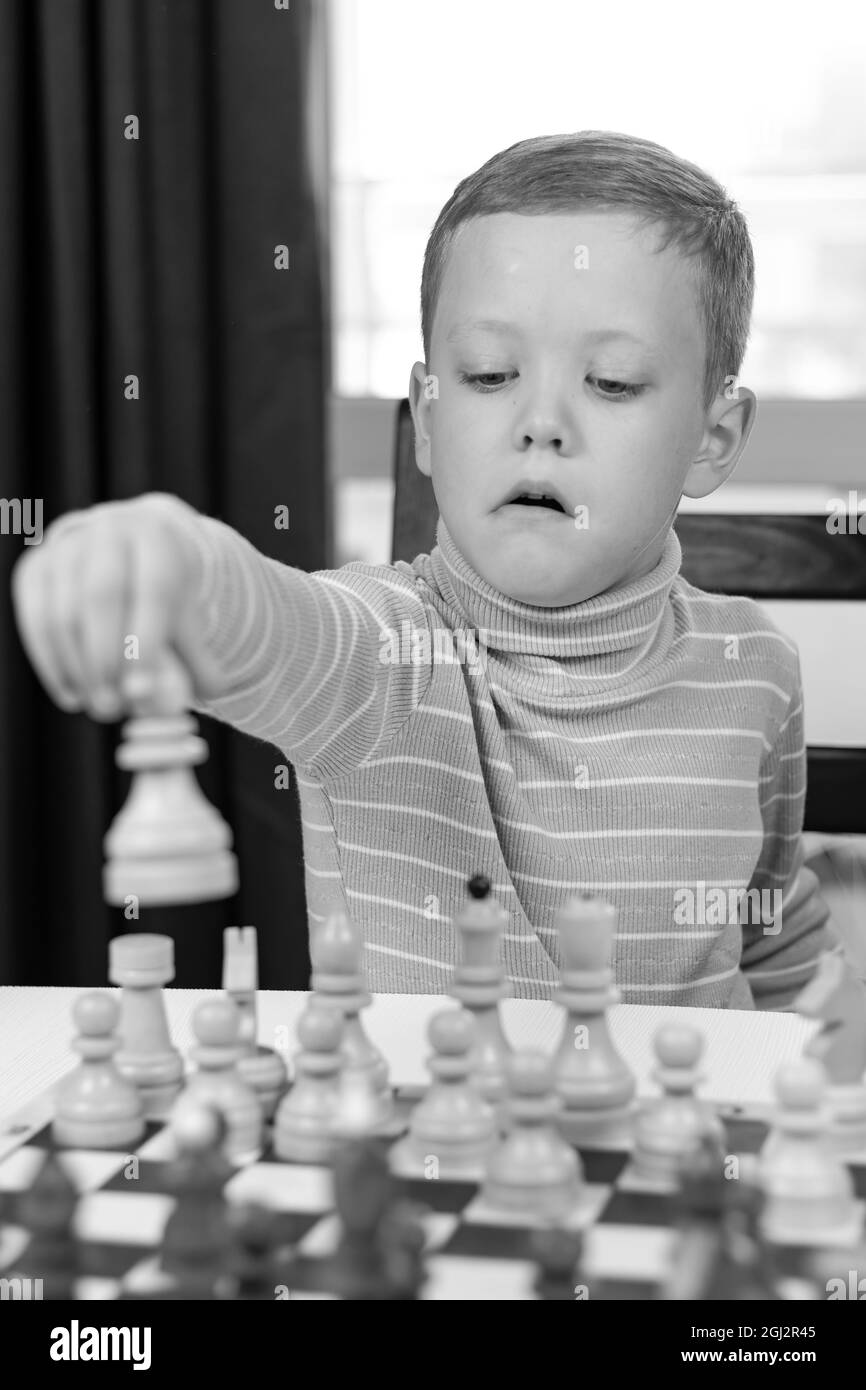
645	745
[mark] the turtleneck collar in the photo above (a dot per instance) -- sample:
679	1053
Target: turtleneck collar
623	621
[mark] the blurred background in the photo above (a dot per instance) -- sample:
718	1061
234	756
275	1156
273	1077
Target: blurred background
774	108
155	156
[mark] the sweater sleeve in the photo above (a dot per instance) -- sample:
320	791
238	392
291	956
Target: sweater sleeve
780	952
310	668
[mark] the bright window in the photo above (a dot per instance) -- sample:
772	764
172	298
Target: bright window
771	102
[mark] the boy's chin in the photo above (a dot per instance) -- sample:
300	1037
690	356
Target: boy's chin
543	587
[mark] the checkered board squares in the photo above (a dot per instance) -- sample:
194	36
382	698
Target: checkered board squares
472	1253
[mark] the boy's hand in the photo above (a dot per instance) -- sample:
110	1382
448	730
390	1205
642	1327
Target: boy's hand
116	571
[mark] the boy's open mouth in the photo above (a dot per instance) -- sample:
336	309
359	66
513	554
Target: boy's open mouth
549	502
542	494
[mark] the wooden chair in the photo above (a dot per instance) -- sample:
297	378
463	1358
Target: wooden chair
791	558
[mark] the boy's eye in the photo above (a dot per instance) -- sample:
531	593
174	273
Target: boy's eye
482	381
621	390
608	388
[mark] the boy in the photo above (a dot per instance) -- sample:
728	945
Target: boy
542	699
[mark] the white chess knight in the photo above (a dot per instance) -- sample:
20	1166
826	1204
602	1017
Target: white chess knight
838	1000
167	844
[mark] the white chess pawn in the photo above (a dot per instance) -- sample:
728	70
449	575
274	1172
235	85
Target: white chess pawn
304	1125
95	1108
670	1130
595	1085
808	1189
452	1130
533	1171
216	1025
363	1111
167	844
336	951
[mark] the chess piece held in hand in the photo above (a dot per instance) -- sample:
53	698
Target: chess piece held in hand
167	844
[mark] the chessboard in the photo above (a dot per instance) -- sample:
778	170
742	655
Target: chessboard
632	1233
143	1177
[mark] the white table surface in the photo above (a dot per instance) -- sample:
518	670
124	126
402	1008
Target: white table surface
743	1049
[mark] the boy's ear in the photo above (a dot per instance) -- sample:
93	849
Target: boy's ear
729	424
422	396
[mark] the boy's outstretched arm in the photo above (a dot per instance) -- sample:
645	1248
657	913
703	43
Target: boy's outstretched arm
780	954
301	660
312	668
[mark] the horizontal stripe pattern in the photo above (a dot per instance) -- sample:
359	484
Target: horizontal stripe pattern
646	745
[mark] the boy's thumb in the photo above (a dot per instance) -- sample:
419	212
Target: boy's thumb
208	679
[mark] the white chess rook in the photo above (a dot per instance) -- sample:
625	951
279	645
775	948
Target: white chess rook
143	964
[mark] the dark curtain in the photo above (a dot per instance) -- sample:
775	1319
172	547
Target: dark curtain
155	257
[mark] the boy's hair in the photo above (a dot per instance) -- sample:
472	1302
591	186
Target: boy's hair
605	169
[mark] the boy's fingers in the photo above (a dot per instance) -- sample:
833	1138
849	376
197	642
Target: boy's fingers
31	606
105	596
207	677
155	590
104	611
176	626
63	622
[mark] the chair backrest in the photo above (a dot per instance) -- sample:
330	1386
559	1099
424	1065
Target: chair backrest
786	561
415	512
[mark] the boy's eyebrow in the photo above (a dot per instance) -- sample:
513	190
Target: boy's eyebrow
464	327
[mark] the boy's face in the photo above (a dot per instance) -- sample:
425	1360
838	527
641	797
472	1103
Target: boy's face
554	412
